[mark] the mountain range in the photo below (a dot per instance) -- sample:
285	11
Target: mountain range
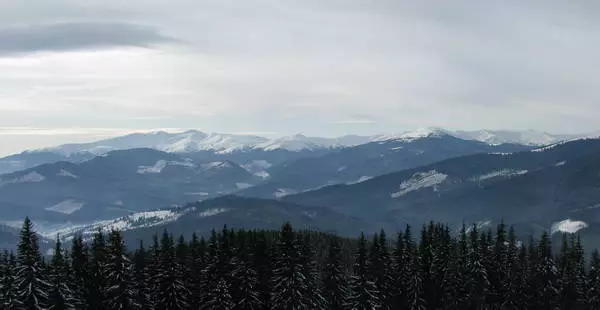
194	141
185	181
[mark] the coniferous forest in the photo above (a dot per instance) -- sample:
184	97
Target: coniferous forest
287	269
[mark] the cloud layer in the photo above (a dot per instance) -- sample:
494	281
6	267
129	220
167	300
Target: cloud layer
76	36
317	67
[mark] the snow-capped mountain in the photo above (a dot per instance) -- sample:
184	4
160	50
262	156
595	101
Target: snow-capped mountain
528	137
288	148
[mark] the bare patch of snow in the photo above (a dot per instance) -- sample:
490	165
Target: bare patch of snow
65	173
212	212
243	185
66	207
162	164
262	174
397	148
282	192
493	174
217	164
561	163
342	168
418	181
360	180
30	177
197	194
568	226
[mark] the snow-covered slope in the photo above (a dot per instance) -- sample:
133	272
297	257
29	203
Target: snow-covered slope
528	137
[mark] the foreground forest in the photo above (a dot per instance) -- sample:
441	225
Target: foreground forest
287	269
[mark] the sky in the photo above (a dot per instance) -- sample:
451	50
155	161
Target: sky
73	71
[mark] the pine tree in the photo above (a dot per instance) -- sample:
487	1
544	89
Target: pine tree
310	270
96	274
335	283
547	277
8	289
290	290
78	277
120	289
363	294
142	278
593	287
247	280
61	296
262	261
477	275
172	293
222	299
31	282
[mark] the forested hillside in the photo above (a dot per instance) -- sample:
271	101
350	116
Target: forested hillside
287	269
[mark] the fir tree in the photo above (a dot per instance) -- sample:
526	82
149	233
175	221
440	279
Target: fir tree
96	284
547	277
593	287
61	296
8	289
142	278
363	294
222	299
247	280
32	285
79	275
120	289
335	283
290	289
172	293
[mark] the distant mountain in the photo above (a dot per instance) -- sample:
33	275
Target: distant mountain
116	184
253	147
202	217
537	189
188	142
360	163
251	213
528	137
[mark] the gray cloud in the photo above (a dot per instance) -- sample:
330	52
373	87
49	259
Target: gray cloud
318	67
76	36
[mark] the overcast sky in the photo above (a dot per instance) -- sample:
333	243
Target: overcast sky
73	70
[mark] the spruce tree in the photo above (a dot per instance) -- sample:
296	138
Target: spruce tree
8	289
247	281
593	287
96	284
335	284
120	288
363	294
290	289
142	278
32	285
61	296
547	276
79	275
172	293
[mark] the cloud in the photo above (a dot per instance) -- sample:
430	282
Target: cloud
76	36
319	67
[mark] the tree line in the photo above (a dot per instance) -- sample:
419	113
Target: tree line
287	269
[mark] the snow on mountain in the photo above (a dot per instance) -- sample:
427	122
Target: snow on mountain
162	164
409	136
212	212
65	173
528	137
493	174
420	180
66	207
301	142
125	223
568	226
